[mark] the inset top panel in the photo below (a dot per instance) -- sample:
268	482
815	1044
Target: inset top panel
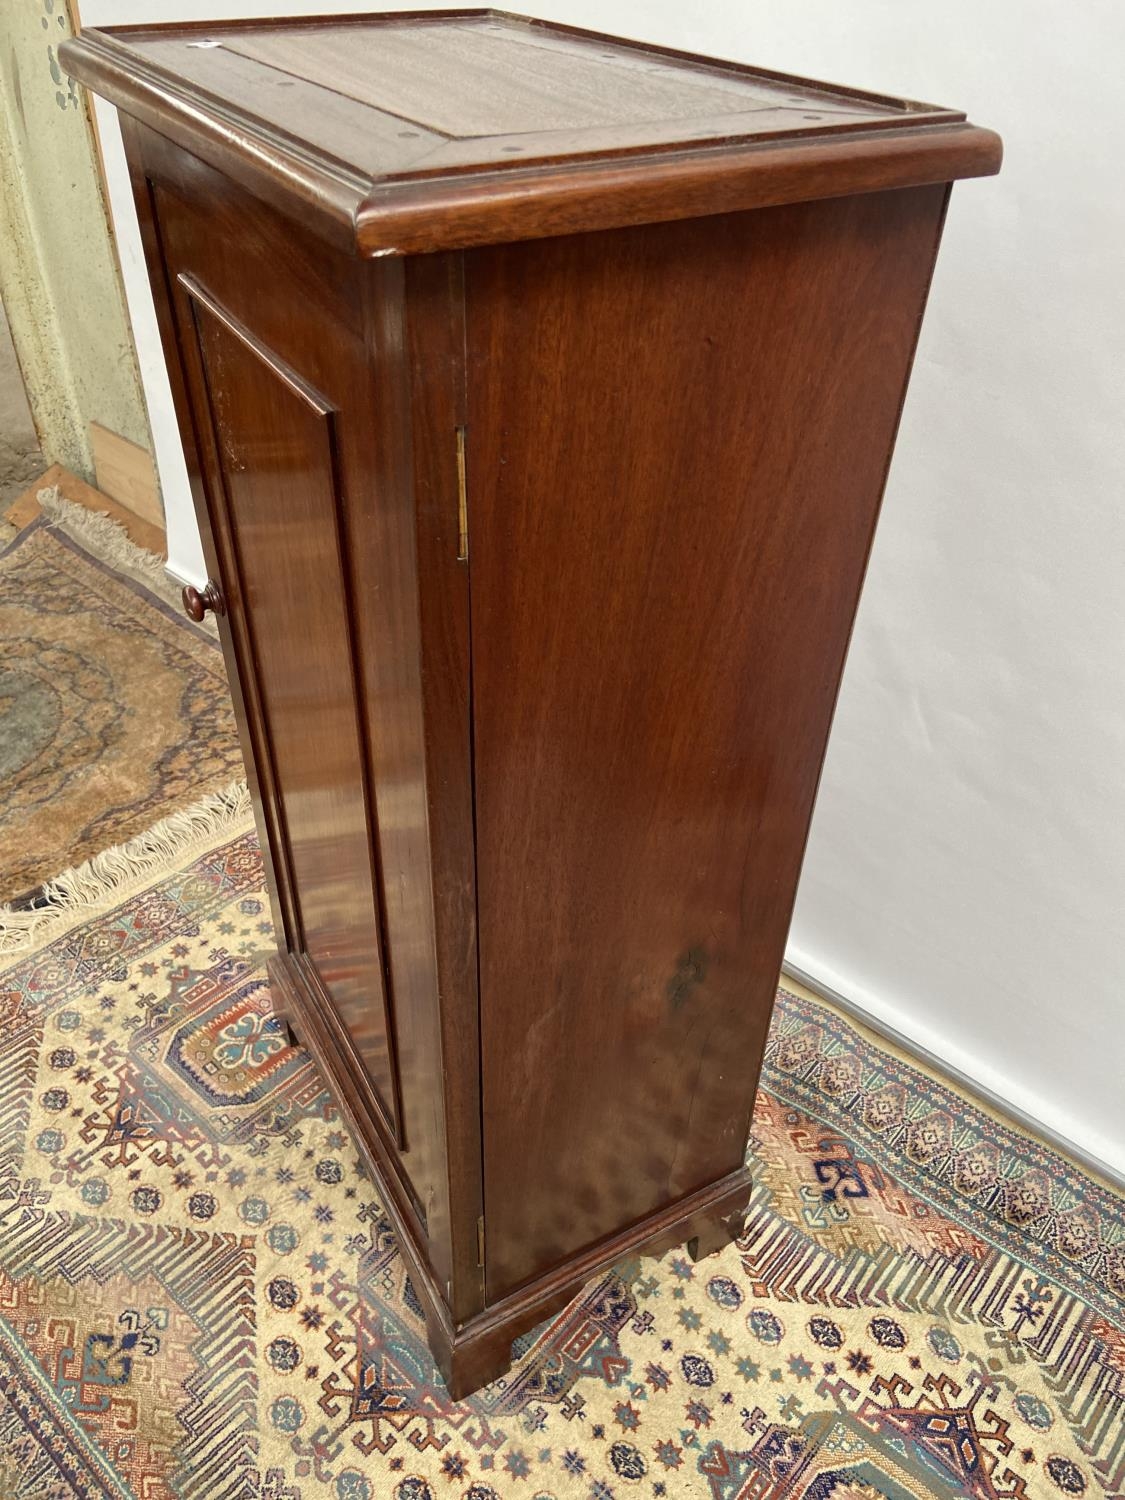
392	109
474	77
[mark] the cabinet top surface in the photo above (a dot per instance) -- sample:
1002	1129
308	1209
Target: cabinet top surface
396	106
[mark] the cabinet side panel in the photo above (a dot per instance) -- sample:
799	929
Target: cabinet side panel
678	440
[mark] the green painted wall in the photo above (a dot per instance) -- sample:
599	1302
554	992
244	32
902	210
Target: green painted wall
59	278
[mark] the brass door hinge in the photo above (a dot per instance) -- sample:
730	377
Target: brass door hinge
462	504
480	1241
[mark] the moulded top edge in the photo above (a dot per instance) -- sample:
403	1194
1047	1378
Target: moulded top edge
414	132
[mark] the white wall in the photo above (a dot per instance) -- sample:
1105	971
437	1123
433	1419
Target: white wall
965	880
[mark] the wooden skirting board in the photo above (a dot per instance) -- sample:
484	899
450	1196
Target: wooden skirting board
25	508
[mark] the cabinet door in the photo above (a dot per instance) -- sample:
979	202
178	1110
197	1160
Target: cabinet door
270	355
277	510
290	365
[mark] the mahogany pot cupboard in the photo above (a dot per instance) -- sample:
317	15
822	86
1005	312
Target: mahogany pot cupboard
538	390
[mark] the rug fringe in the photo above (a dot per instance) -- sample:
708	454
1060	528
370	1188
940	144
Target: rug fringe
108	877
110	543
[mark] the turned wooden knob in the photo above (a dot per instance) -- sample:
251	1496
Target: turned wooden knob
197	604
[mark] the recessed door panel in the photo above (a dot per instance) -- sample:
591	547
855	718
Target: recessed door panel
277	452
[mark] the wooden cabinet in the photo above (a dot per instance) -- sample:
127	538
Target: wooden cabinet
538	391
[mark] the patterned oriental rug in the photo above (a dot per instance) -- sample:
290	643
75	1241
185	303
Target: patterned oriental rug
201	1297
114	709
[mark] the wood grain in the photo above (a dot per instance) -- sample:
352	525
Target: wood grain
493	76
280	502
420	133
310	311
140	145
125	471
355	135
434	340
486	208
665	564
